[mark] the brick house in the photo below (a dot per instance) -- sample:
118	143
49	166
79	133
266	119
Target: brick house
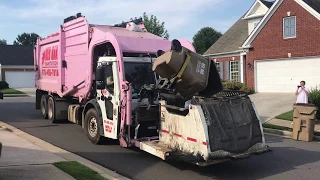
16	66
281	50
226	51
284	48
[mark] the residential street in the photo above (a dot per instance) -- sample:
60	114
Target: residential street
290	159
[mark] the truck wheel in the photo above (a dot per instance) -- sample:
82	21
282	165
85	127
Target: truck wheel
51	110
91	126
44	106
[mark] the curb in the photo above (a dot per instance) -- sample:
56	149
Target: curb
106	173
15	95
287	134
278	132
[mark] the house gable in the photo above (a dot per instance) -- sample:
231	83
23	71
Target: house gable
311	6
271	44
258	9
291	32
262	23
229	44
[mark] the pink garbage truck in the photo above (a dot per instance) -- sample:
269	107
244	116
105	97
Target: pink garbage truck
122	82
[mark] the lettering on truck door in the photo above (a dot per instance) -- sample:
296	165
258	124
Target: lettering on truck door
49	61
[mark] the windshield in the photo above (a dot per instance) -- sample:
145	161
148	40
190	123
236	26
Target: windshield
139	74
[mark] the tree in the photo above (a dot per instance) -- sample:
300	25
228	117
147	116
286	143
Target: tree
204	39
154	26
26	39
3	41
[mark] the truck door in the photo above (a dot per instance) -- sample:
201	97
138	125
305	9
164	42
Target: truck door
109	101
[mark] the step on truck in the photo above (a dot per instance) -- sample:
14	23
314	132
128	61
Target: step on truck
122	82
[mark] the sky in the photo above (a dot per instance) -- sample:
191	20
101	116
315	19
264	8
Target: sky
183	18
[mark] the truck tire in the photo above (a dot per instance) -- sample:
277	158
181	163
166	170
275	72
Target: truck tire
44	106
91	127
51	110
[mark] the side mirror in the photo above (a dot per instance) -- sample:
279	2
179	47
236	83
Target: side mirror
1	95
100	73
100	79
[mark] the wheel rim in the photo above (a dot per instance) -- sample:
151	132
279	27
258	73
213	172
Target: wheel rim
93	127
50	110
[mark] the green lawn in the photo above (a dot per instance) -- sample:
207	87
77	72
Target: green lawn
11	91
78	171
286	116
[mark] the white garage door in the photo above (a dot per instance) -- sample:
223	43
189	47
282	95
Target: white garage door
20	79
285	75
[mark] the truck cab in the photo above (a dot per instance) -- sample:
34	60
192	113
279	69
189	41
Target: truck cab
138	72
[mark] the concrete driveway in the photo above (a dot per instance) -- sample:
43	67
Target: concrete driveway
270	105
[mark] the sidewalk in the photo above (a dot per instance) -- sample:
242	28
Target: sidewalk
30	154
22	160
28	91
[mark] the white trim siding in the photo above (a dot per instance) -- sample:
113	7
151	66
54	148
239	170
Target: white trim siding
262	23
242	66
224	54
252	8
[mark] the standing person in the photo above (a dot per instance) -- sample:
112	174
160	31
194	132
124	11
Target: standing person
302	92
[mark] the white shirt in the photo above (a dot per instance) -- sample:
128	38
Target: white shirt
302	96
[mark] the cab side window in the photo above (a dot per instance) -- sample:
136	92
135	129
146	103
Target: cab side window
109	79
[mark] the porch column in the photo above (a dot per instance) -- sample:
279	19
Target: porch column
242	66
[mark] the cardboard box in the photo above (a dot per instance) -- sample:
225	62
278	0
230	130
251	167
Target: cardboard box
304	117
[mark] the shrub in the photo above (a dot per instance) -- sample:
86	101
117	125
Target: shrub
233	85
4	85
314	98
237	86
248	90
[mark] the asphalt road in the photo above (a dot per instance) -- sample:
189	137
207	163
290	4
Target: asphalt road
290	159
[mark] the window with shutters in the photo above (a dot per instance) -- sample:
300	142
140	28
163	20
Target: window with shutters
234	70
289	27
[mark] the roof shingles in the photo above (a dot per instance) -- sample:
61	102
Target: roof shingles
11	55
267	3
232	39
315	4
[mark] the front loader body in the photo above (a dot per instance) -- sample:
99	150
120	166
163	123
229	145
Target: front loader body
211	130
